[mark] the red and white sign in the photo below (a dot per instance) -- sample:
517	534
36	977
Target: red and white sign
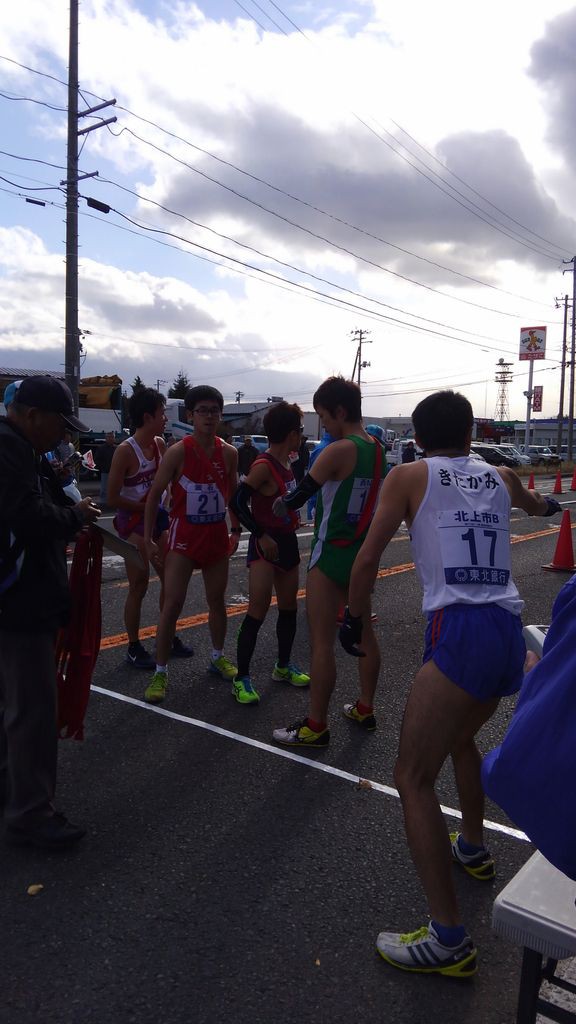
532	343
537	398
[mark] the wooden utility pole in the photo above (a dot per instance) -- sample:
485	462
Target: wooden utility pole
360	336
559	435
72	333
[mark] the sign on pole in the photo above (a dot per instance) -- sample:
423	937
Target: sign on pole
537	392
532	343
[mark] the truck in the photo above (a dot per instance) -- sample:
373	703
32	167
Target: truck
394	456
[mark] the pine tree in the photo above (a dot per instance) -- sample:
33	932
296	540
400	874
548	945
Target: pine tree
137	383
180	386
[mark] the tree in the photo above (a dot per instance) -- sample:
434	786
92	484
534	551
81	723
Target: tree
137	383
180	386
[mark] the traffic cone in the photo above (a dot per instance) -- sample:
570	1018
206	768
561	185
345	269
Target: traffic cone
573	484
531	481
558	484
563	560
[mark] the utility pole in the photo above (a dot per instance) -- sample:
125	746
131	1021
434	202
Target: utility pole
72	334
559	436
360	336
572	357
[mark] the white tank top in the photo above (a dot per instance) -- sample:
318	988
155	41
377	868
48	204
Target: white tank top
461	537
135	487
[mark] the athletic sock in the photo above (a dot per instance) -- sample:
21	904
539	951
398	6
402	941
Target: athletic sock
449	936
315	726
162	668
468	848
246	642
285	632
216	655
363	709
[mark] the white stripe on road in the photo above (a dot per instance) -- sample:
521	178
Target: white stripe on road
450	812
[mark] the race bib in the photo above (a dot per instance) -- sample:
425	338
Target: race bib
204	504
475	547
359	497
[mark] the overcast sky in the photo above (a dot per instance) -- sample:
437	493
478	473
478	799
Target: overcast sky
282	174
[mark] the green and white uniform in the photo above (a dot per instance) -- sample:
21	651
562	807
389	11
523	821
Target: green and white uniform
338	510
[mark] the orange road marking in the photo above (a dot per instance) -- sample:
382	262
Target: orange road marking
240	609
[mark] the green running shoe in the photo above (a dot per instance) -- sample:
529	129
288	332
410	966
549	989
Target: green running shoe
155	693
243	690
223	667
290	674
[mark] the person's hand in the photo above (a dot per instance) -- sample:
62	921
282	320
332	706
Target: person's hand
154	554
553	506
233	541
279	509
268	547
89	511
530	661
350	634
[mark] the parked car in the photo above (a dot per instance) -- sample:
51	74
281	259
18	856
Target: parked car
512	451
260	441
493	456
540	455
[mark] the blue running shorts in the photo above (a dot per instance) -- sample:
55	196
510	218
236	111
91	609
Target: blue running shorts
479	647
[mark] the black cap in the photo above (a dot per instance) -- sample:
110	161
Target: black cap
50	395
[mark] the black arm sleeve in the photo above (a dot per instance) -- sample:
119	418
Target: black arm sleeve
302	493
239	505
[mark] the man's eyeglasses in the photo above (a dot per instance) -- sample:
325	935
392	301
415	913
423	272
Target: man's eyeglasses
207	410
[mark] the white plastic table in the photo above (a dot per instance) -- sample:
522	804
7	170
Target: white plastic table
537	910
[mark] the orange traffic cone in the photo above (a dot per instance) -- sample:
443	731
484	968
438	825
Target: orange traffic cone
558	484
563	560
531	482
573	484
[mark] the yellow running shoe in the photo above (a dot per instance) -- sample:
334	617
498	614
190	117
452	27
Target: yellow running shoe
155	693
223	667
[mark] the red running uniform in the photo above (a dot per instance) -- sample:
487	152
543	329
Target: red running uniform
198	528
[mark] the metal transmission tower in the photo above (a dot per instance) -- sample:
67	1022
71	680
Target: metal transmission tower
73	347
502	377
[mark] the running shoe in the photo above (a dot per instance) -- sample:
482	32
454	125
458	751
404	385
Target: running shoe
422	952
156	692
223	667
479	865
367	722
138	657
180	650
244	691
300	735
290	674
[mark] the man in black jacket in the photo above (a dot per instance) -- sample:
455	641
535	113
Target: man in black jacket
36	521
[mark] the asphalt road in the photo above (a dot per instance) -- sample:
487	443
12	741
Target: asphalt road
225	879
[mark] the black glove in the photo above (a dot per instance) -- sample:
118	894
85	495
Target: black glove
350	634
553	507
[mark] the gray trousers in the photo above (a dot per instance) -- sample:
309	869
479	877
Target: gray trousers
28	725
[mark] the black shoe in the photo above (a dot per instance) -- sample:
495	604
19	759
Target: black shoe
138	657
180	650
53	833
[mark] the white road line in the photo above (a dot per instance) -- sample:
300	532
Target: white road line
450	812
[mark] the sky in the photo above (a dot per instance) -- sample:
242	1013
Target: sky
284	174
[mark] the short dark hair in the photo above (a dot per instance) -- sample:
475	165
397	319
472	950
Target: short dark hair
338	391
144	400
202	393
280	420
443	420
